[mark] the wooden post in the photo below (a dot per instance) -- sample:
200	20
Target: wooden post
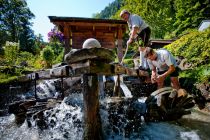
67	39
120	44
120	56
92	120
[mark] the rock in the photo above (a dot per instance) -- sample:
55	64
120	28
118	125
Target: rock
91	43
90	53
91	50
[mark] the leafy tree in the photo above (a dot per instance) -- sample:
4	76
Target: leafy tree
39	44
15	25
25	59
167	18
190	13
109	10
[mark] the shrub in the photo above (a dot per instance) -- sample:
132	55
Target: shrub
59	58
25	57
11	50
195	46
47	54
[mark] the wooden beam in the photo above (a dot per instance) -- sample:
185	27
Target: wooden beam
66	39
84	67
119	44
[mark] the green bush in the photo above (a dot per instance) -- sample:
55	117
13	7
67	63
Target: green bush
26	57
59	58
199	74
6	78
47	54
129	63
194	46
11	50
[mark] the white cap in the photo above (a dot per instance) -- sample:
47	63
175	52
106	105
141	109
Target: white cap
91	43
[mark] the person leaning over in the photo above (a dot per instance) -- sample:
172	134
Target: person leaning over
138	29
162	64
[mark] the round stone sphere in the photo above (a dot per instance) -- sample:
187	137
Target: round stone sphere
91	43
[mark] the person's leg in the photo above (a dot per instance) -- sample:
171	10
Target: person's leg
160	84
144	35
174	79
175	83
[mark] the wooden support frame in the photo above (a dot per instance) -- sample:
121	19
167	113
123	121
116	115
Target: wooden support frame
84	67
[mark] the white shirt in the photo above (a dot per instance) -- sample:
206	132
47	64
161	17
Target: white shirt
136	21
163	61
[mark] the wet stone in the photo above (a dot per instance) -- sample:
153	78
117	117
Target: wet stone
75	56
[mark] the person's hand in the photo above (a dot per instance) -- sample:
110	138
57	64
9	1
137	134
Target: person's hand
141	49
153	78
129	41
160	78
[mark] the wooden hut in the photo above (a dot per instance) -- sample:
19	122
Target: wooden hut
76	30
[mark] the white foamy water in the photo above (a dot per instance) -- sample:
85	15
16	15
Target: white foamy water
65	122
192	135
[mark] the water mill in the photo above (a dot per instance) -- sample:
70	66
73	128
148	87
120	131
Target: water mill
90	95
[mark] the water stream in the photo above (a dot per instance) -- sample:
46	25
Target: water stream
65	122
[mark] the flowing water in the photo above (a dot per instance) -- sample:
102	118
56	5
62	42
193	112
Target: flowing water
65	122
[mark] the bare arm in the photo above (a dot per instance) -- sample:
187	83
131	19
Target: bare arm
134	32
168	72
133	35
153	75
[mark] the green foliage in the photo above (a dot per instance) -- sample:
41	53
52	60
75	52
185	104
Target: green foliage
6	78
39	63
109	10
39	44
194	46
25	57
59	58
167	18
47	54
129	63
11	50
15	23
190	13
57	47
199	74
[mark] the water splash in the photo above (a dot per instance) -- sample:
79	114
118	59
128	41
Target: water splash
65	122
44	89
192	135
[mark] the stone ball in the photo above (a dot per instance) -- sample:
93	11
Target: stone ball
91	43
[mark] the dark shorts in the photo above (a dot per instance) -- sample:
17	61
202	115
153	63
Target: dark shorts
173	74
145	36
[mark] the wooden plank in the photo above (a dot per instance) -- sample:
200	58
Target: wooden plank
93	24
44	74
60	71
25	78
85	67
